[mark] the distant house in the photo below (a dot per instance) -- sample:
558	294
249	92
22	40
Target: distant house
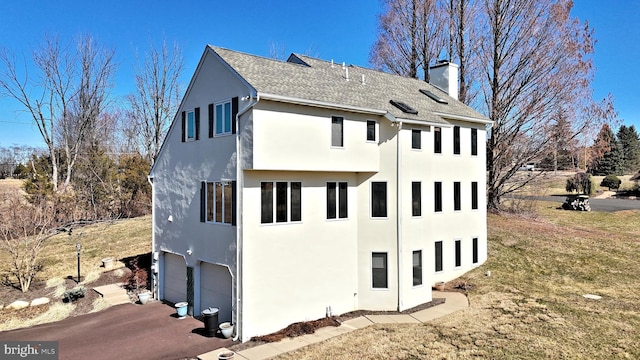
285	191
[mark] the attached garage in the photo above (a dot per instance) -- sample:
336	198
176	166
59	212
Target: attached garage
215	289
175	278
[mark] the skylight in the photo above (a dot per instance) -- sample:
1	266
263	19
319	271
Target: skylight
433	96
404	107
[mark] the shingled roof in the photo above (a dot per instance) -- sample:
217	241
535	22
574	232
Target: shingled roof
304	79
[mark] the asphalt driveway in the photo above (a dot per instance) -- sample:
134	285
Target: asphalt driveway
125	331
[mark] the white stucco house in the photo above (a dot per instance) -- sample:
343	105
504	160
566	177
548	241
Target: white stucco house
288	190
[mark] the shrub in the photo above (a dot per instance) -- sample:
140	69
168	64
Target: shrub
580	182
611	181
73	294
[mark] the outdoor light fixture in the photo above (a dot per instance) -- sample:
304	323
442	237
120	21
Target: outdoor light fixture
78	248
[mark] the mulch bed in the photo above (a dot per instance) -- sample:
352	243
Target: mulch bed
10	293
309	327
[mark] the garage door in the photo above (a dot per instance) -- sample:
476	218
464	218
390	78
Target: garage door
175	278
215	289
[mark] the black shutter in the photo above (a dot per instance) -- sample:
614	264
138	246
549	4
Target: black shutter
234	114
234	197
184	125
210	120
197	115
203	201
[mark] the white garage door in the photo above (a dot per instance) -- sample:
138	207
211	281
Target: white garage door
175	278
215	289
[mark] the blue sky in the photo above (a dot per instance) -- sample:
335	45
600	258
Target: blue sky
330	29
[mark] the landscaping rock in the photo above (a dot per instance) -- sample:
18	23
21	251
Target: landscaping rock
17	305
39	301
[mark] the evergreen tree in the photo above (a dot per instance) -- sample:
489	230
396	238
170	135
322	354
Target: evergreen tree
630	143
608	157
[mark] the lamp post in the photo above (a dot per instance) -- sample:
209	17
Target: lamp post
78	248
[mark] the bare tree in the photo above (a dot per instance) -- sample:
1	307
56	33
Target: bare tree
157	96
535	60
463	40
410	37
65	98
24	229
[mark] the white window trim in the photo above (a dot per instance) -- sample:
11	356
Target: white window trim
442	257
331	132
186	126
457	267
337	182
453	192
421	141
215	118
274	202
422	252
371	217
422	202
371	271
206	220
376	129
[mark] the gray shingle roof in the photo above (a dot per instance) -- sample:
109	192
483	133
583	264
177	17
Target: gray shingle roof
324	82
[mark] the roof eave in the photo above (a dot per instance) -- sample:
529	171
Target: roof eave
321	104
484	121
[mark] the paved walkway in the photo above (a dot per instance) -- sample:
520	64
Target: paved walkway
454	301
114	294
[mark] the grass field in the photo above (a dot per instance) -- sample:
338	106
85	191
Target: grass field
531	307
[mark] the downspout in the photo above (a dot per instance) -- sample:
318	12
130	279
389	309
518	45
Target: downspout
154	266
399	215
239	194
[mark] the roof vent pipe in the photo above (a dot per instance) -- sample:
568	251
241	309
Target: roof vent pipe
332	63
362	79
346	73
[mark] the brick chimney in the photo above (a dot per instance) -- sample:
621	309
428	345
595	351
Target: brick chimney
444	75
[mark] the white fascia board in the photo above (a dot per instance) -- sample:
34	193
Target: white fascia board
463	118
321	104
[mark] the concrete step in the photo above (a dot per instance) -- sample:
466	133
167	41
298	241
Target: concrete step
114	294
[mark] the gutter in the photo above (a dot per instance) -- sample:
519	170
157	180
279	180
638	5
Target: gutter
395	120
464	118
322	104
254	97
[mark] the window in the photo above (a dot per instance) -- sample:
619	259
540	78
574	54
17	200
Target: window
458	253
437	140
371	130
438	253
475	250
219	202
336	131
456	140
378	199
417	267
474	141
416	141
474	195
286	204
416	203
337	200
191	125
456	196
437	196
379	270
223	118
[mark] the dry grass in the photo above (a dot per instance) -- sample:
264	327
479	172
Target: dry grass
119	239
532	305
55	312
